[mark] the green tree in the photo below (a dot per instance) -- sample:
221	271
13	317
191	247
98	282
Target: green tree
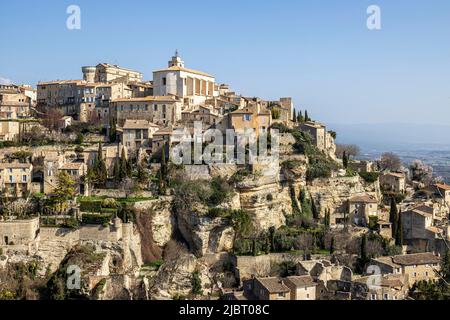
300	118
332	245
345	160
123	166
399	231
315	211
99	168
79	139
116	170
196	283
112	130
445	267
393	216
306	116
294	117
64	191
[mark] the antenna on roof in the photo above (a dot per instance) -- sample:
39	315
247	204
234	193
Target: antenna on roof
176	53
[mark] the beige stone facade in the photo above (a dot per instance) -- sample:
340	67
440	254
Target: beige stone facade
161	110
418	266
15	179
393	181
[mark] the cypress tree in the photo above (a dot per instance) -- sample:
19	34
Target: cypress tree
345	160
445	266
306	116
112	130
123	166
363	249
294	118
100	170
116	170
300	116
332	246
399	231
314	210
393	216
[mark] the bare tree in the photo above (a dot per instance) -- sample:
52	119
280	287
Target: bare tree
127	186
421	172
390	161
350	150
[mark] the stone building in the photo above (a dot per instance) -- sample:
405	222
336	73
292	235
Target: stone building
393	181
271	289
382	287
136	134
302	287
252	117
418	266
20	234
161	110
443	191
15	179
193	86
204	114
14	105
105	72
285	108
361	208
322	139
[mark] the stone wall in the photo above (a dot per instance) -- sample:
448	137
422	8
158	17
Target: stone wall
19	232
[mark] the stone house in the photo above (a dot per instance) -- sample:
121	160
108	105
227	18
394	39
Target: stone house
417	223
302	287
393	181
136	134
285	107
14	105
20	234
251	117
206	115
383	287
77	171
271	289
443	191
418	266
322	139
361	208
361	166
161	110
15	179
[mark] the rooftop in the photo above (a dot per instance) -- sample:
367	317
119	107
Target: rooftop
176	68
72	166
363	198
273	285
301	281
149	99
138	124
443	186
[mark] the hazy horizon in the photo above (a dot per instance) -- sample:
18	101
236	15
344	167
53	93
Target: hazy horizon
321	54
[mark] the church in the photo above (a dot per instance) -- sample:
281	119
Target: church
195	87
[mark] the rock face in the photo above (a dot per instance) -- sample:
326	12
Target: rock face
174	278
206	235
333	193
266	199
156	224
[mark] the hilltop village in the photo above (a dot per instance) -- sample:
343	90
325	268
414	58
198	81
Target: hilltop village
87	184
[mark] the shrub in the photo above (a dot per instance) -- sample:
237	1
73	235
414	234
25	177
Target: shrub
91	205
369	177
109	203
218	212
100	219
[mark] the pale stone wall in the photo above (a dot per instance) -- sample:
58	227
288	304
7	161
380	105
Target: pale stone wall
19	232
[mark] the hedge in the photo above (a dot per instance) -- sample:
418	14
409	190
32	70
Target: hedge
96	218
90	205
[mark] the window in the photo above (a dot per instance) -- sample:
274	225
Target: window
164	81
145	134
164	108
414	274
247	117
11	179
426	274
307	296
24	178
385	296
155	107
373	296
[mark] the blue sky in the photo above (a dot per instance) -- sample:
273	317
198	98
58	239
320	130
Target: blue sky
320	52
